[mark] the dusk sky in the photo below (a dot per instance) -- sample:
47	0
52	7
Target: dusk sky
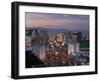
61	21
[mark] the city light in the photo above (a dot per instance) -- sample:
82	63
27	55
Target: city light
58	49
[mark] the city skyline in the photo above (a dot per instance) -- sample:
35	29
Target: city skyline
56	40
57	21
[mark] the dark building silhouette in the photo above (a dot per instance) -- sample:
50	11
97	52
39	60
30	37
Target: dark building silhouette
32	60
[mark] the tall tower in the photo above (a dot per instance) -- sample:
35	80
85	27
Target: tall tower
74	41
73	45
42	53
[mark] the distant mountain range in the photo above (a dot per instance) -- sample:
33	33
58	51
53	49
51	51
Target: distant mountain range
52	31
